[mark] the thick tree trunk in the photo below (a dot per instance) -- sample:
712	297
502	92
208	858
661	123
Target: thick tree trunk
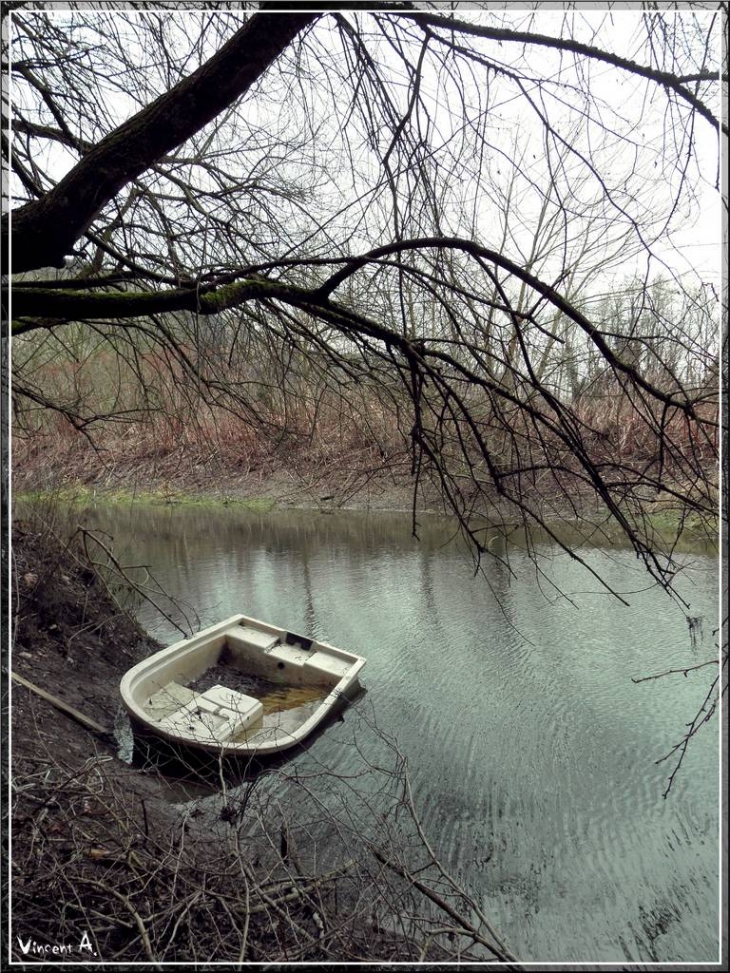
44	231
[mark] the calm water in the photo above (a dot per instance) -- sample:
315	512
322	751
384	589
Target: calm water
532	754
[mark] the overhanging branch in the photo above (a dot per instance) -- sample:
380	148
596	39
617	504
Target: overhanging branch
33	302
44	231
664	78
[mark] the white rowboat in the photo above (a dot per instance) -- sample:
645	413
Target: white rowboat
240	688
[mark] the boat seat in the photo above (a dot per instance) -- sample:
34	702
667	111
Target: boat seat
325	662
252	637
214	715
293	654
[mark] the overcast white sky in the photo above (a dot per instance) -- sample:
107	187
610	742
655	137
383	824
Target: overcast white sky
694	242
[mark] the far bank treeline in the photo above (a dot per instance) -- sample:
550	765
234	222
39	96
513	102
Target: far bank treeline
342	251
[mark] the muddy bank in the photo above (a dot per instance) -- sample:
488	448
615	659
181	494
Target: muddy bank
309	475
263	489
69	638
108	866
659	526
329	489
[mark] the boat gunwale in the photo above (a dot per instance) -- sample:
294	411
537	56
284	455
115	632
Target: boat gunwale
183	647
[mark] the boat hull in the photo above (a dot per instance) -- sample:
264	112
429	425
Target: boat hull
277	688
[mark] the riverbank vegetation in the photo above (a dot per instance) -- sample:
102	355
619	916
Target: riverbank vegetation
147	423
452	259
217	871
346	262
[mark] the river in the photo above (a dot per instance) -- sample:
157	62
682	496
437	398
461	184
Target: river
532	753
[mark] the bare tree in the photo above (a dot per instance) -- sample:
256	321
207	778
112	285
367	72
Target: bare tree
459	233
299	207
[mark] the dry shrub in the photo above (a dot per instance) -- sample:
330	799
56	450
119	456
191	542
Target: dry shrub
302	867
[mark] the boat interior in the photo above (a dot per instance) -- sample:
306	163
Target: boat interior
248	686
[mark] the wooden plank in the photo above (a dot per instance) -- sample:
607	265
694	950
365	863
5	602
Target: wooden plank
71	711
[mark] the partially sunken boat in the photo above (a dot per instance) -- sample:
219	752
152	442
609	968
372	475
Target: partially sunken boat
240	688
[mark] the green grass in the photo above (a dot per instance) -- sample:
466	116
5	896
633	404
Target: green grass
662	521
83	496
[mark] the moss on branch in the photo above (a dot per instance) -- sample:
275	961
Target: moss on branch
31	303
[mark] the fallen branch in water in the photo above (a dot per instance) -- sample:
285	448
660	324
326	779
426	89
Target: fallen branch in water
672	672
125	579
438	900
704	715
157	888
